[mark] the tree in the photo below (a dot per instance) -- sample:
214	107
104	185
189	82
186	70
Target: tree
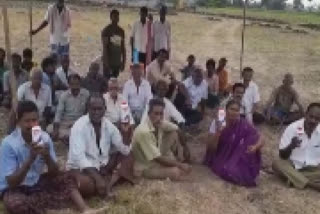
274	4
213	3
298	5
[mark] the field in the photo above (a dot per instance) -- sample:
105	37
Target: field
291	17
271	52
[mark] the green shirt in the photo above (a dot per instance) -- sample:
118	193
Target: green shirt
146	145
114	37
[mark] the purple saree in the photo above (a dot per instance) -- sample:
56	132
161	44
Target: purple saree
231	161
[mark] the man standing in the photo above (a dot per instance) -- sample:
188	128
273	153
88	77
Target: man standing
59	20
154	145
114	50
299	151
139	37
39	93
279	106
162	33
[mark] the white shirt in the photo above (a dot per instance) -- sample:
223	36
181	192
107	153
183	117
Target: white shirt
170	112
162	35
250	97
213	126
196	93
138	98
308	153
83	149
113	112
140	36
25	92
59	34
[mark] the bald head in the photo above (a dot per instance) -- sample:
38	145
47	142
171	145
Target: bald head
197	76
36	78
113	87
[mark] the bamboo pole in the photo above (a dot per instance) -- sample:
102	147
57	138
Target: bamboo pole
243	35
6	32
30	20
12	79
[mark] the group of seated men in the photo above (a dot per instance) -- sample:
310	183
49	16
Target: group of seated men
136	133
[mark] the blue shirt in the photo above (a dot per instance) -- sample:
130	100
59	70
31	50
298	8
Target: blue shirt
14	152
46	79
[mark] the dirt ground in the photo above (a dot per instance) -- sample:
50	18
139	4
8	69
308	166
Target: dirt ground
270	52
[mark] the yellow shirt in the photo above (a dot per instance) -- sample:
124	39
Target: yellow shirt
146	146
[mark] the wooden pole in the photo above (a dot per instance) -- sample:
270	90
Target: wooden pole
30	19
242	34
12	79
6	32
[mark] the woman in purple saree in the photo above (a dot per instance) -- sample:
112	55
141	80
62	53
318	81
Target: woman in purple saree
237	158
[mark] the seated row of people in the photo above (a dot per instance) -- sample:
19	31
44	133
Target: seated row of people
99	156
157	148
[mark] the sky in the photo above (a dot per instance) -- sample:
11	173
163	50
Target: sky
307	3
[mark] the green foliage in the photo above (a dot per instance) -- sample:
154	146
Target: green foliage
274	4
213	3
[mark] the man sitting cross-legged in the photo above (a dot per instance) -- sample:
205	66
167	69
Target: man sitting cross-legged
154	144
23	186
251	97
299	151
90	159
279	106
72	105
191	97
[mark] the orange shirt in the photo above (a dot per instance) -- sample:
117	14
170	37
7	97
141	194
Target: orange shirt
223	80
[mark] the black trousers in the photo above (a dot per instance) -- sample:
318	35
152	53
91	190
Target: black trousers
192	116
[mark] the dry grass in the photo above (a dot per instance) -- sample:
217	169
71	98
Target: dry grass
269	51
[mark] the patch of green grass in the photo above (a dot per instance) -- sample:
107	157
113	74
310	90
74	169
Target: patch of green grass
2	210
291	17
